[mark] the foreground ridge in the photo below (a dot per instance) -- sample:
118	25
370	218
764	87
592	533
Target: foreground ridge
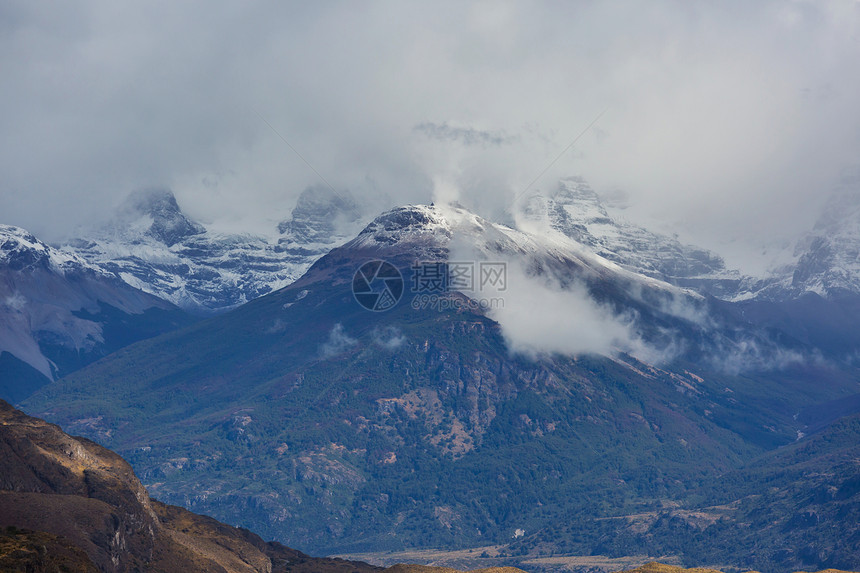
68	504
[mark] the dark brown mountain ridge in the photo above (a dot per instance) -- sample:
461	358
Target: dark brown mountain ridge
68	504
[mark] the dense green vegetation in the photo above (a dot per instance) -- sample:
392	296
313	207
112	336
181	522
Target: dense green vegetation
18	380
794	508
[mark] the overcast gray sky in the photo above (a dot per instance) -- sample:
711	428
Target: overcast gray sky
724	121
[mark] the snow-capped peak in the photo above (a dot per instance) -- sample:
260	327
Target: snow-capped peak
575	210
155	213
20	249
152	245
438	232
829	257
436	228
410	223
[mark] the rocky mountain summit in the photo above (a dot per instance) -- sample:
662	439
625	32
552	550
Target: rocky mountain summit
575	210
153	246
826	260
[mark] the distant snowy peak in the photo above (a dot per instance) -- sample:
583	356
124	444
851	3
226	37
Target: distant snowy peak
54	313
829	257
20	250
576	211
156	214
321	219
152	245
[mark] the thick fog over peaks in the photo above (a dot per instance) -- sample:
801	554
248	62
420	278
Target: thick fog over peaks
726	123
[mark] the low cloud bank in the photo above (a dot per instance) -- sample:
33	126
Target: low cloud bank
540	317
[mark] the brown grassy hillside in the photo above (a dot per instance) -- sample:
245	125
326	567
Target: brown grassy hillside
68	504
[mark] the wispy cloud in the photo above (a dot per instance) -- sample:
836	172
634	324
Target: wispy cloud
388	337
726	120
338	342
539	316
466	135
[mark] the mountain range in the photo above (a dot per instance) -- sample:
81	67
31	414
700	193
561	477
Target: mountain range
151	244
313	421
616	392
58	313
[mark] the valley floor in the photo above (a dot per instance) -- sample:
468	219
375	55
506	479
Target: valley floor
494	556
